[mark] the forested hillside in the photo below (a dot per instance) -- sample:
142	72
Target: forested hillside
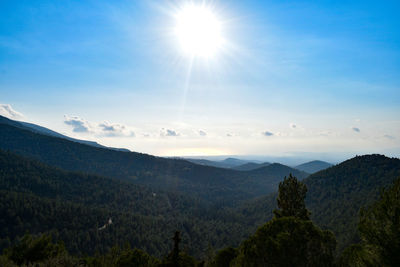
250	166
42	130
209	183
228	163
313	166
148	197
92	213
289	239
335	195
73	207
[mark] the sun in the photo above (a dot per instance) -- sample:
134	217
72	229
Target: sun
198	31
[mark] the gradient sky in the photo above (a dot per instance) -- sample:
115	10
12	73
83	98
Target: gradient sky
294	77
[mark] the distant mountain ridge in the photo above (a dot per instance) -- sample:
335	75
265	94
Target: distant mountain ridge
209	183
313	166
228	163
42	130
250	166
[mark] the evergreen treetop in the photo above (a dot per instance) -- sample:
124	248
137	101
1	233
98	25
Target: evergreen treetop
292	193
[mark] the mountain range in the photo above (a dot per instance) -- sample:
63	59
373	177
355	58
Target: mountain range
50	184
209	183
313	166
248	165
228	163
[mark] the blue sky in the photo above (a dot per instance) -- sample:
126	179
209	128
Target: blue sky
294	76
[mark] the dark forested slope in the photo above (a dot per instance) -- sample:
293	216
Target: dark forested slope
250	166
75	207
209	183
42	130
335	195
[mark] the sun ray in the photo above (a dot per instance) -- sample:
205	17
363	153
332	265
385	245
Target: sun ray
186	88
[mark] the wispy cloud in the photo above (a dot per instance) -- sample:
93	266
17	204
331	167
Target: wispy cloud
115	129
168	132
79	125
389	137
267	133
7	111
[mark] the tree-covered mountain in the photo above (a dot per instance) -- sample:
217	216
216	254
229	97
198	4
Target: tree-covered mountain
250	166
289	239
151	196
209	183
92	213
335	195
42	130
379	228
228	163
313	166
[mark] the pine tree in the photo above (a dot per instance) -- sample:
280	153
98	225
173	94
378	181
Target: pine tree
175	251
292	193
290	238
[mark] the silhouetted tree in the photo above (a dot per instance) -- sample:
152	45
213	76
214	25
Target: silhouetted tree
290	200
178	258
175	251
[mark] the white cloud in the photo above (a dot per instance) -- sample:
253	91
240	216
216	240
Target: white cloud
105	129
115	129
267	133
7	111
168	132
78	125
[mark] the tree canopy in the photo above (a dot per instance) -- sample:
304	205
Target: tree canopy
379	229
290	238
292	193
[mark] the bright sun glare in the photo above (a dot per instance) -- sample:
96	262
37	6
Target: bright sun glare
198	31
